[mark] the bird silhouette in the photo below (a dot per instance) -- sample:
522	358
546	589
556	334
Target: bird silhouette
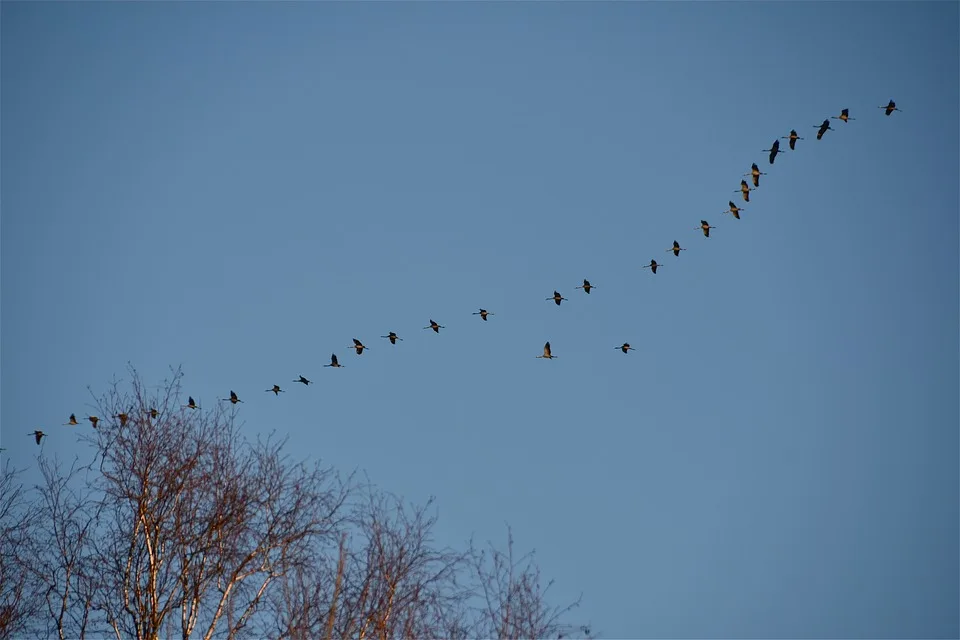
824	127
392	337
652	266
436	327
676	248
37	434
358	346
546	352
233	399
303	381
793	137
755	173
483	313
72	421
625	347
890	108
333	361
844	115
586	287
276	390
774	150
556	297
705	227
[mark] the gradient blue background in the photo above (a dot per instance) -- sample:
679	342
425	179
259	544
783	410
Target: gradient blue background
241	188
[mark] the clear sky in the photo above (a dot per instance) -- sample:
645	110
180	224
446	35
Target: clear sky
242	188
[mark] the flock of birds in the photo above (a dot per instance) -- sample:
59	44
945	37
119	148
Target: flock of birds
557	298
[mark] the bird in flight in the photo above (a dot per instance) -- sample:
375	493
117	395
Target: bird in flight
436	327
844	115
546	352
303	380
586	287
705	227
890	108
734	209
774	150
793	137
358	346
483	313
233	399
556	297
824	127
755	173
392	337
333	361
276	390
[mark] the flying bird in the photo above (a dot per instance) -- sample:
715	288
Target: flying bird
625	347
546	352
93	420
483	313
676	248
755	173
705	227
333	361
72	421
652	266
276	390
586	286
793	137
774	150
844	115
37	434
191	403
233	399
890	108
392	337
745	190
358	346
122	417
303	380
556	297
824	127
436	327
153	413
734	209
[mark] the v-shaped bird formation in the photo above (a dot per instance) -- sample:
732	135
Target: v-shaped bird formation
704	227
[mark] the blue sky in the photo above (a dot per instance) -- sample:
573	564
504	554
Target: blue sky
242	188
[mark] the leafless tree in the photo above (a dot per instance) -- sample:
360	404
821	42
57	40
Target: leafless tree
179	527
182	524
20	600
514	604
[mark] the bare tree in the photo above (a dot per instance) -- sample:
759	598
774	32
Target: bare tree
178	526
514	603
65	562
19	597
190	524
